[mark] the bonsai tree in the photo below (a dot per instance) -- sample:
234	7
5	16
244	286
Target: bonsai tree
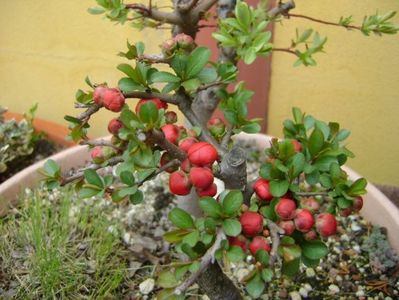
282	217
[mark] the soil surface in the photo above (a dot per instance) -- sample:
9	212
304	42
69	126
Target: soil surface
44	148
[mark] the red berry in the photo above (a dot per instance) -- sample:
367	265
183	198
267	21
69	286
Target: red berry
169	46
358	203
208	192
187	143
202	154
165	158
184	41
310	235
285	208
158	102
262	190
252	223
171	132
185	165
97	155
113	100
326	224
287	226
216	126
114	125
179	184
259	243
201	178
297	145
170	117
303	220
346	211
98	94
239	241
311	204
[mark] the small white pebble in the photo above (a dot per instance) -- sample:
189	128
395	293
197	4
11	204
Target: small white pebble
304	292
361	270
147	286
357	248
338	278
295	296
344	237
355	227
388	298
310	272
241	273
308	287
205	297
360	293
126	238
333	288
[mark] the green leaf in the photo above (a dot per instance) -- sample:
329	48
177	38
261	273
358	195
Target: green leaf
197	61
192	238
127	178
51	168
310	262
298	115
207	75
262	256
96	10
128	70
316	141
314	249
243	14
358	187
268	213
291	268
164	77
290	252
298	164
255	286
343	134
235	254
127	85
267	275
181	219
210	207
93	178
232	202
250	55
278	188
149	112
252	127
231	227
265	171
88	192
191	84
167	279
175	236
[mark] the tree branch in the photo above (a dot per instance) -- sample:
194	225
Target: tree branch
248	192
170	164
160	59
281	9
155	14
203	6
145	95
207	259
85	116
323	22
226	138
275	232
157	137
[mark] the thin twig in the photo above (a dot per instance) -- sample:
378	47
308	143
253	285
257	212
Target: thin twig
99	143
207	259
206	86
170	164
85	116
281	9
248	192
322	21
226	139
285	50
275	232
157	137
80	173
156	58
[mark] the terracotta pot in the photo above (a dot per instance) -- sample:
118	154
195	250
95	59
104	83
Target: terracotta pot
55	132
378	209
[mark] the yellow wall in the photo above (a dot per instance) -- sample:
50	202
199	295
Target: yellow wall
47	48
355	83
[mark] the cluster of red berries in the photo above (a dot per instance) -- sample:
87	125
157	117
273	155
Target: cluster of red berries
305	219
196	170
